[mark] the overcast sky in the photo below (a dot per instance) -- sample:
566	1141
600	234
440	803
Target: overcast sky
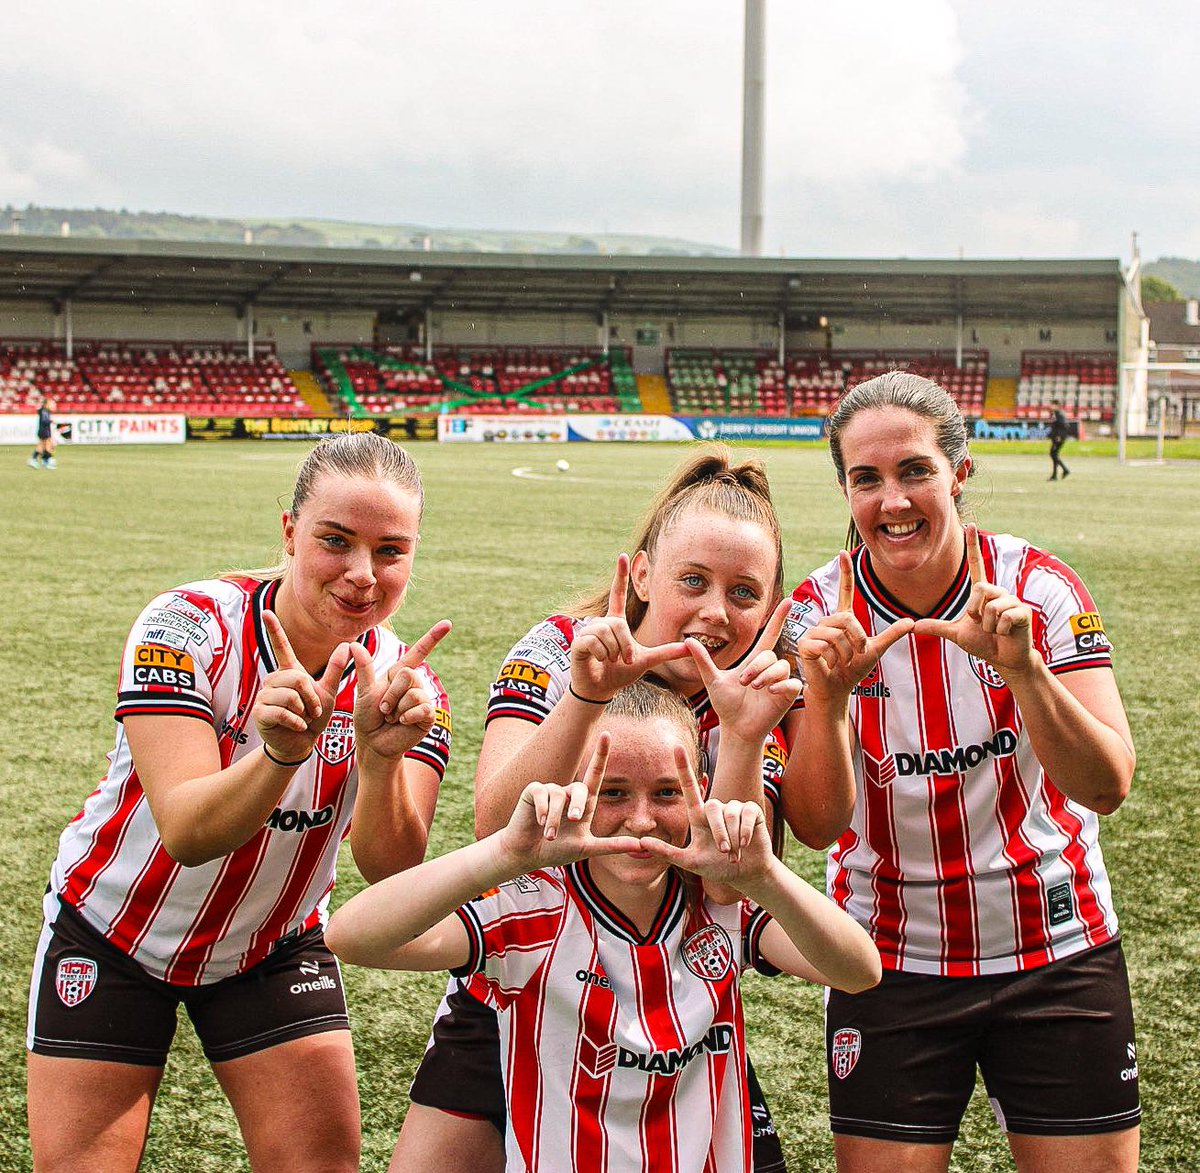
894	127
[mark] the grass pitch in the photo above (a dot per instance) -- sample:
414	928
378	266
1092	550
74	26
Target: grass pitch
92	541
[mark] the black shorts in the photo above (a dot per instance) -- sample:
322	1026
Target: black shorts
89	1000
1055	1046
460	1074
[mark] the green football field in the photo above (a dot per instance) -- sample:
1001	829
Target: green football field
91	542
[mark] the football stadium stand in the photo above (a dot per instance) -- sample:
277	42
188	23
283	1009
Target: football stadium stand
1084	382
476	379
731	382
211	378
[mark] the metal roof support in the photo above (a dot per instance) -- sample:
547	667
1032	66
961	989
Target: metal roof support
782	336
753	86
429	334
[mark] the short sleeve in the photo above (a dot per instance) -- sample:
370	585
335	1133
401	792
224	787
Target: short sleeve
167	665
434	748
754	921
535	673
774	762
510	930
1068	631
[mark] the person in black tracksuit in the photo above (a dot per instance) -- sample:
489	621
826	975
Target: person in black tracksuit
1059	433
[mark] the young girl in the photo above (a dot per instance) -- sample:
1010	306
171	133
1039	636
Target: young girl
707	568
616	981
256	714
988	736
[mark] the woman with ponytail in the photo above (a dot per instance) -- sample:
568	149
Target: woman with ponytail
698	607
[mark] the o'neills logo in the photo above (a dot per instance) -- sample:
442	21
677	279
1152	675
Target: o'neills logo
947	761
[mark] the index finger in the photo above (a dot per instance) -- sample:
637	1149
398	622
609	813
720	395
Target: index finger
277	638
974	556
593	776
619	590
419	652
845	582
689	783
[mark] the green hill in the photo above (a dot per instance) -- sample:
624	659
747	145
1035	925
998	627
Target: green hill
104	223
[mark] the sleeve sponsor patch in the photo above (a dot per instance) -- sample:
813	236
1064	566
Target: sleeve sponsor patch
1088	629
520	676
160	622
155	665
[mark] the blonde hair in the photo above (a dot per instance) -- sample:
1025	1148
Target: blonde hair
347	454
913	393
648	699
710	480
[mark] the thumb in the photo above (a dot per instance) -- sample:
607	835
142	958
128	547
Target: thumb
335	668
704	662
938	627
364	666
897	631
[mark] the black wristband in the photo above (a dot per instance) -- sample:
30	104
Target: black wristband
587	700
280	762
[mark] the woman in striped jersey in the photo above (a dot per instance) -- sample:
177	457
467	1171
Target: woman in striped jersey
988	737
706	569
616	981
256	714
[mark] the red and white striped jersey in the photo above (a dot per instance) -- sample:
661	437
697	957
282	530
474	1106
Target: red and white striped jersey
202	651
537	671
621	1052
962	857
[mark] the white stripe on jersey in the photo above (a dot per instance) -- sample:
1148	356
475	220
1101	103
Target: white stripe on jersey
201	651
620	1052
962	857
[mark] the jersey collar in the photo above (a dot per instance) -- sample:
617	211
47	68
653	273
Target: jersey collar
264	600
670	912
949	606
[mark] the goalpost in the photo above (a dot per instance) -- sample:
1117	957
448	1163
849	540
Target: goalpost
1155	400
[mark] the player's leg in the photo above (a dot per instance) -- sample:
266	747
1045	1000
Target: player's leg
859	1154
457	1111
1114	1152
433	1139
1060	1066
98	1035
87	1114
297	1104
278	1038
901	1069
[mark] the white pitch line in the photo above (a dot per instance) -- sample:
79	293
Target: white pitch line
527	474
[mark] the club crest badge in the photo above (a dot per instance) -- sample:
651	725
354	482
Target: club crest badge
986	672
708	953
844	1051
75	979
336	744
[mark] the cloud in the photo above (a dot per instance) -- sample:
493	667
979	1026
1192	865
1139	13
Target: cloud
891	129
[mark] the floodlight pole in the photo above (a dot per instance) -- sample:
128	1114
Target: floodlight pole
753	87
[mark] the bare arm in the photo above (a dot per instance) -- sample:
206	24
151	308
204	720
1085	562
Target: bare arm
1075	721
1078	729
397	795
407	921
202	811
833	656
811	938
